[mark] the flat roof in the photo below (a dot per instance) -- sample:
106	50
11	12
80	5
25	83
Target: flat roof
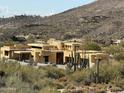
72	43
38	44
90	51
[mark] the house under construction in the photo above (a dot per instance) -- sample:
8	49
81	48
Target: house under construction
53	51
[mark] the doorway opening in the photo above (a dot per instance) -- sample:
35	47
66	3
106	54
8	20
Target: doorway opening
46	59
59	58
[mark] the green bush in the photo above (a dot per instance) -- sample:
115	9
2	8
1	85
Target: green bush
91	46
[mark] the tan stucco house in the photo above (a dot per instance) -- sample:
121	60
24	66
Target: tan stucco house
53	51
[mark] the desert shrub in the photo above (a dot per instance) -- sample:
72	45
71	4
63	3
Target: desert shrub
119	56
27	79
116	51
2	83
48	90
101	91
122	43
18	39
80	76
110	72
17	84
55	73
59	85
120	83
107	73
113	49
9	68
31	75
45	82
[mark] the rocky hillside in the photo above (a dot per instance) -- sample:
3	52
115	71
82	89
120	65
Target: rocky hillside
100	20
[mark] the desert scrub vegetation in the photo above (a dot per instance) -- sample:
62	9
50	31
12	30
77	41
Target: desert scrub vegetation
26	79
116	51
110	73
15	78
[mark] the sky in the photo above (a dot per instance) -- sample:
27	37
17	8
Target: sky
37	7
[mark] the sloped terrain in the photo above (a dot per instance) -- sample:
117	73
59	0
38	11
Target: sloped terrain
100	20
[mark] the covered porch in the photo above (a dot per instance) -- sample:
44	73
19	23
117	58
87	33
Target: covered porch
22	55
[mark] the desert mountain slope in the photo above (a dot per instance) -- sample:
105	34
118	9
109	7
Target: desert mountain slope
101	20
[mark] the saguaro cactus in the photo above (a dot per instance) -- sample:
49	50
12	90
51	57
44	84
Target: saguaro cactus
97	69
75	61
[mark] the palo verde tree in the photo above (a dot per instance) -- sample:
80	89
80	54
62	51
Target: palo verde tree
91	46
